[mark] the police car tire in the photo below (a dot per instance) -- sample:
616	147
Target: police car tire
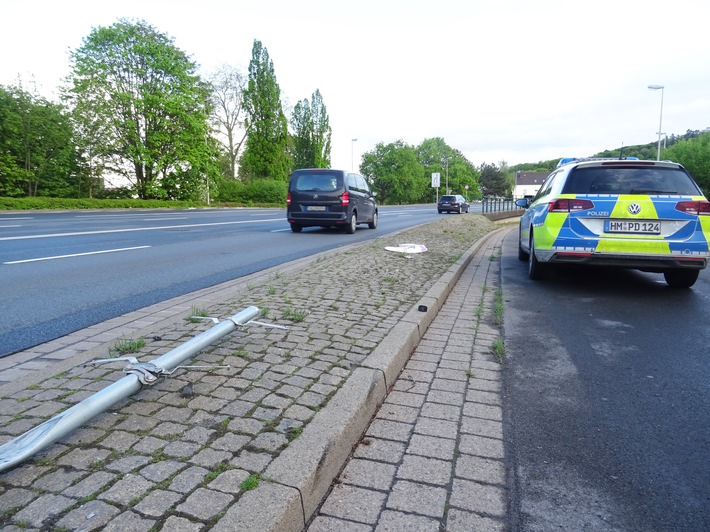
535	268
681	278
522	256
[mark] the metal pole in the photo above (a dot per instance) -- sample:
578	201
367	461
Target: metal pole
23	447
352	154
660	121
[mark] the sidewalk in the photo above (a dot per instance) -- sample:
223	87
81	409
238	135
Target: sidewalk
432	459
256	446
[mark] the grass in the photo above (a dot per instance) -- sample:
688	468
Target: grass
125	346
498	349
250	482
196	313
498	308
295	315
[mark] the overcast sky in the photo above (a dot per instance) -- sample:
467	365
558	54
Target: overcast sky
499	80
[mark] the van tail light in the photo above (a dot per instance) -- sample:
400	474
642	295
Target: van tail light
288	199
570	205
345	198
699	208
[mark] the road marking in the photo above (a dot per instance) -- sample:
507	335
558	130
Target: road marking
75	255
5	226
156	228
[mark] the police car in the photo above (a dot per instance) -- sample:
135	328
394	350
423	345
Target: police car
627	213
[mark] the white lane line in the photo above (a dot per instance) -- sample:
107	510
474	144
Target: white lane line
75	255
6	226
156	228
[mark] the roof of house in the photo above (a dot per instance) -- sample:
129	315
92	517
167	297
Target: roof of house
530	178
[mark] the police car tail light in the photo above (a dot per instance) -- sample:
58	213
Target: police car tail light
345	199
570	205
698	208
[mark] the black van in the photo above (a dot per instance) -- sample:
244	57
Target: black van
329	198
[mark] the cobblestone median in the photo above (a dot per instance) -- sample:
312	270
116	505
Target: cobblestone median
176	458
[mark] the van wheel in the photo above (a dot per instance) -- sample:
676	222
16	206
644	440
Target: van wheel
373	223
352	224
296	228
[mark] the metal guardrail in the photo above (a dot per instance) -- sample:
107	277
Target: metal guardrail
493	204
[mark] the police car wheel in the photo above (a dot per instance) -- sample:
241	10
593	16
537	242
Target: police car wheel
681	278
535	268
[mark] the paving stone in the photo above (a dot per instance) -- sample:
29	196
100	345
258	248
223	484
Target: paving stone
180	524
251	461
354	504
158	502
231	442
187	480
480	469
16	498
162	470
210	457
379	449
129	522
431	446
126	489
229	481
441	428
89	485
43	509
203	504
324	523
480	498
460	521
181	449
481	446
127	463
57	480
93	515
369	474
389	430
418	498
425	470
391	521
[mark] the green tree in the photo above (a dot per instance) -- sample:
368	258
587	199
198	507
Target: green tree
694	155
394	172
494	181
152	106
437	156
266	152
36	150
228	85
311	133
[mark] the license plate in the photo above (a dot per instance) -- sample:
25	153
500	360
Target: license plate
315	208
635	227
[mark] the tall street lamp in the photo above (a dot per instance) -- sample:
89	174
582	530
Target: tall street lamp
660	122
446	158
352	154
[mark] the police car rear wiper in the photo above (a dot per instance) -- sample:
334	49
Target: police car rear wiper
651	191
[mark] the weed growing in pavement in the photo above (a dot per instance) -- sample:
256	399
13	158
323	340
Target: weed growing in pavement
498	308
469	373
196	313
498	349
293	433
124	346
295	315
271	290
241	353
217	471
250	482
390	279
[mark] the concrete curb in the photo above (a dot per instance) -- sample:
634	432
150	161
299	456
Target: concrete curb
296	482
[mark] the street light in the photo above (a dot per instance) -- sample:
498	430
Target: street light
352	154
660	122
446	158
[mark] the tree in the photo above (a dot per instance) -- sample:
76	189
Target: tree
36	150
266	152
694	155
143	93
228	85
394	172
437	156
493	181
312	133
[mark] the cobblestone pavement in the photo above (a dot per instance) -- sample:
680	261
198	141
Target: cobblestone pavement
186	453
432	458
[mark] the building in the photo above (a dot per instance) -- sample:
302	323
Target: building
528	183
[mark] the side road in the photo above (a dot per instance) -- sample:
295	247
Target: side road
253	446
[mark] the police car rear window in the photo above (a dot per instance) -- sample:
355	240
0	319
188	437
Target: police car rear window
629	180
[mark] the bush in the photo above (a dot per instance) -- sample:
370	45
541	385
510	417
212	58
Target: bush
258	191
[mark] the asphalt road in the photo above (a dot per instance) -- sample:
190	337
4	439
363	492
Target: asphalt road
63	271
607	400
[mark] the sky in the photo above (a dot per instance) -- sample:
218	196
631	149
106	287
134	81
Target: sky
511	81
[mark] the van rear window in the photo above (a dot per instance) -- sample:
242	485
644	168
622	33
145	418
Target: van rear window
318	182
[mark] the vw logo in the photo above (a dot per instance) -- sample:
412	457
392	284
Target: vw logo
315	196
634	208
